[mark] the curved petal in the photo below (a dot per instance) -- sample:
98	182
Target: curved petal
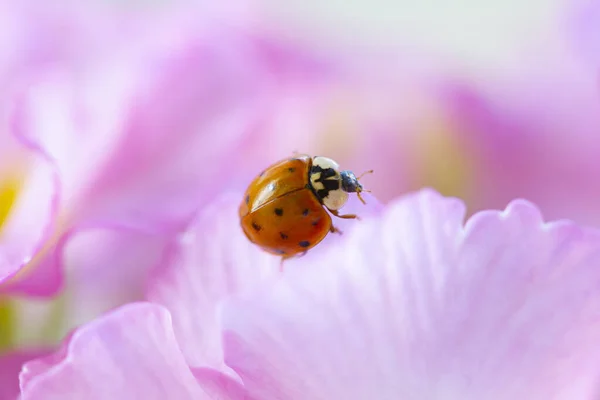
220	386
10	367
129	353
210	261
213	260
107	266
32	218
413	305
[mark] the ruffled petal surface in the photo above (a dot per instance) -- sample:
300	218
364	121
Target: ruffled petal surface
214	260
415	305
210	261
129	353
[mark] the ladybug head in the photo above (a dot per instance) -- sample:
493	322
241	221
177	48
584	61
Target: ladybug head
350	183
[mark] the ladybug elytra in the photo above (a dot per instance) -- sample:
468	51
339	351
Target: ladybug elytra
284	210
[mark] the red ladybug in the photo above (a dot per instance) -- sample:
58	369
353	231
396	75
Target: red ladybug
284	208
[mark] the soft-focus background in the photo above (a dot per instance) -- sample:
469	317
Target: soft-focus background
120	120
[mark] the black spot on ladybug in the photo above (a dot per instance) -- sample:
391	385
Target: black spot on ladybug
304	243
283	235
291	169
256	226
305	212
247	199
279	212
316	222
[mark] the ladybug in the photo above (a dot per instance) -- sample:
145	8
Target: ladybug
284	210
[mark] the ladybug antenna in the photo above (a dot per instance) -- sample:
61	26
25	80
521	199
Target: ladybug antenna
363	174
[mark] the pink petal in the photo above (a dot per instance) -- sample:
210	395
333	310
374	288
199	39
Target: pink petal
106	266
213	260
413	305
31	220
130	353
533	135
210	261
220	386
10	367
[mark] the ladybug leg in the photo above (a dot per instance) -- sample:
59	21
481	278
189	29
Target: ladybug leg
345	216
333	229
360	197
285	257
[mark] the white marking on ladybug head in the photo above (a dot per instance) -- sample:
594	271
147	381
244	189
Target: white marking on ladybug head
326	181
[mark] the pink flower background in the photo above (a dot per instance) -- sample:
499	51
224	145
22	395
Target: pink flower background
128	132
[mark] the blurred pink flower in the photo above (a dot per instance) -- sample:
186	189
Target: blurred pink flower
544	151
584	25
409	303
530	135
521	122
129	120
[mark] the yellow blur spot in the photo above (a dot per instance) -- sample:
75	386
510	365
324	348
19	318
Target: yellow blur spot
339	125
443	160
8	195
9	190
7	322
11	319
